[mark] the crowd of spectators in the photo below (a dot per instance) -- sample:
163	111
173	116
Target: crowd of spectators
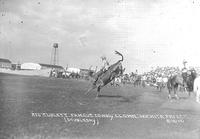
164	72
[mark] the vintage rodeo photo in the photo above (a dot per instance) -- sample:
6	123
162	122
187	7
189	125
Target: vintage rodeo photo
99	69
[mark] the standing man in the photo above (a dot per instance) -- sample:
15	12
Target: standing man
184	69
144	78
184	73
136	72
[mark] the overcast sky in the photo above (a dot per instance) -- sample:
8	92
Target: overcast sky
148	32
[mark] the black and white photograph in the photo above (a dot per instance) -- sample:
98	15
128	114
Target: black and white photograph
99	69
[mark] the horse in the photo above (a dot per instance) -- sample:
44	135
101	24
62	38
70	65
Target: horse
102	78
186	80
173	83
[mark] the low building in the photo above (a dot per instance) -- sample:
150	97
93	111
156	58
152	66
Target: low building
31	66
5	63
48	66
73	70
39	66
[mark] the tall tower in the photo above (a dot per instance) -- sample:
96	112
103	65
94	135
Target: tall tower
54	55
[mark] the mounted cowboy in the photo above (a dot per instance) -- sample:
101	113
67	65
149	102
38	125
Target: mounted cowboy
103	69
184	69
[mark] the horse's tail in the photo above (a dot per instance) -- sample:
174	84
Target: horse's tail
118	53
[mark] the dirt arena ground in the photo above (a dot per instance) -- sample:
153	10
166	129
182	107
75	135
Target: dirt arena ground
47	108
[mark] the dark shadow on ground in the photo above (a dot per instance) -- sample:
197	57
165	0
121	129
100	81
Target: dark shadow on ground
111	96
180	98
122	98
125	99
184	98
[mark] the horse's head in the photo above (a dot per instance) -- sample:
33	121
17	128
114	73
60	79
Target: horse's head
179	79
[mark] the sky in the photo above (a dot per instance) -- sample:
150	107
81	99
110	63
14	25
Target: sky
148	33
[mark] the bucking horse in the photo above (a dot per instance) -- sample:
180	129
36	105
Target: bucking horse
185	80
102	78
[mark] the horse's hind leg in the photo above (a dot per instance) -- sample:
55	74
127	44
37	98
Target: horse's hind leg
189	93
169	90
190	89
175	92
98	91
169	96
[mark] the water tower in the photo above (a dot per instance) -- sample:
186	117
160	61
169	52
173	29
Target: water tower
54	55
